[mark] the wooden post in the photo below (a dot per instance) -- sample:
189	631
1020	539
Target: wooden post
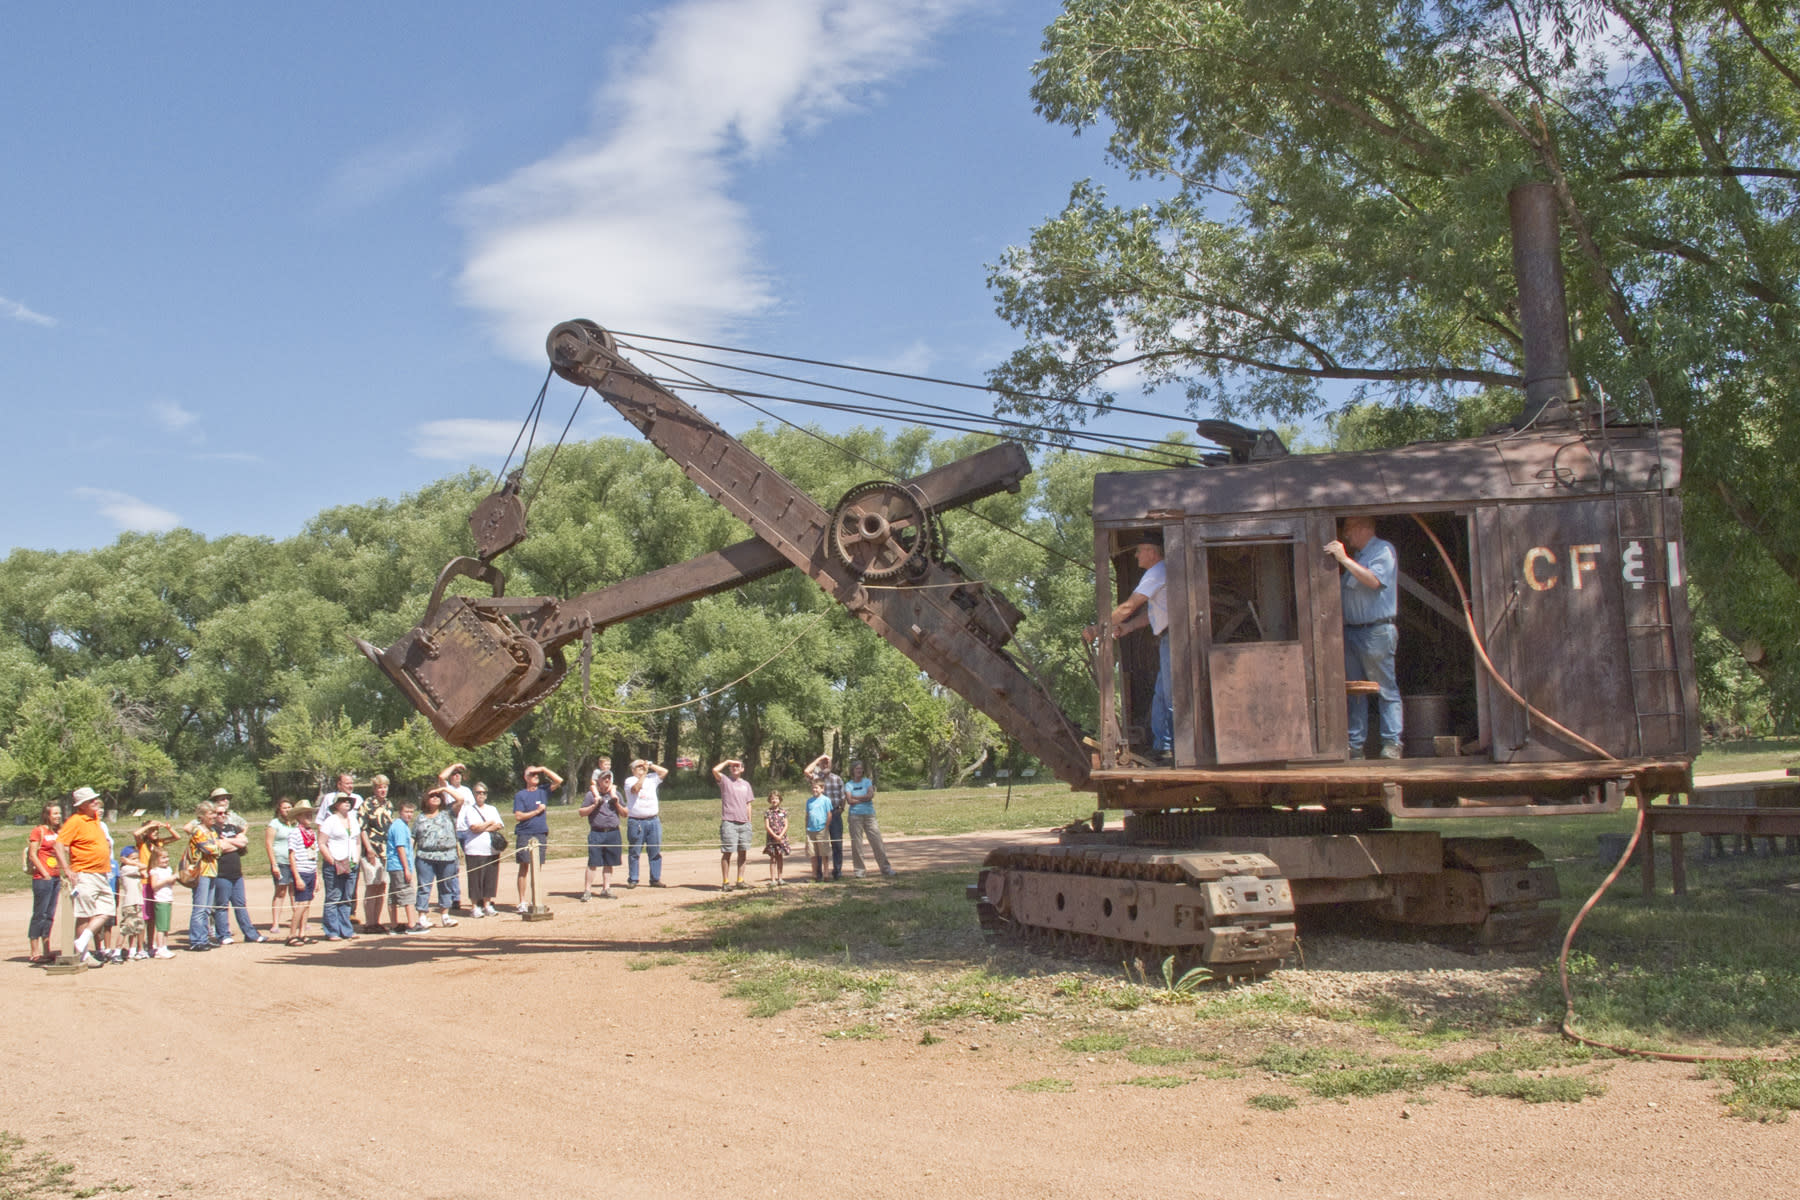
66	963
537	911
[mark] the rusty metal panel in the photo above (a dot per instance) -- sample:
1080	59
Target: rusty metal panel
1261	710
1186	581
1435	474
1566	633
1323	607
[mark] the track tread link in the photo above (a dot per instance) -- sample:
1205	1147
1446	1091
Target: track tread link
1229	912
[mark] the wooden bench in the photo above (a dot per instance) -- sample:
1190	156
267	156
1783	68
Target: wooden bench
1768	808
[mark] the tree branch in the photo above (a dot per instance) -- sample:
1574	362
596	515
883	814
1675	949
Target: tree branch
1726	172
1752	286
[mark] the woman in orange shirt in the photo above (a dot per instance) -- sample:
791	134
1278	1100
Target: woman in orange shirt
40	863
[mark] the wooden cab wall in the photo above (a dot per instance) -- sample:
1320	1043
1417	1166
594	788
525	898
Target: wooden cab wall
1568	541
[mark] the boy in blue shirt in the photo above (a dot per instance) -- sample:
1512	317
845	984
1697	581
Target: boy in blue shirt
402	881
818	833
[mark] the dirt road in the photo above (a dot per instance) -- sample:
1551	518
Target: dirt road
505	1058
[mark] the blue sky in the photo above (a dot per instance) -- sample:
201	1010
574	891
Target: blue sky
260	260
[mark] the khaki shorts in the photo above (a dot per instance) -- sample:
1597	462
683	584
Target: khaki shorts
818	845
93	895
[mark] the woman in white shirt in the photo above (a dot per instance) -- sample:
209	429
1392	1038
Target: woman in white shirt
643	824
339	835
480	820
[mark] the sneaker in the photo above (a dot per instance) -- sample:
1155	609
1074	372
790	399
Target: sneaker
479	913
117	956
631	883
658	883
421	927
491	910
888	874
1390	750
583	897
193	949
162	953
860	873
608	894
724	887
523	909
448	920
88	960
226	940
140	955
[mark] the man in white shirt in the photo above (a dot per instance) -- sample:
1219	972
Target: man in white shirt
1148	604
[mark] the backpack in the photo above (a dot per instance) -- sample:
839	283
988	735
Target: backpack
187	871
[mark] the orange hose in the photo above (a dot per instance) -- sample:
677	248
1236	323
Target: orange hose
1493	671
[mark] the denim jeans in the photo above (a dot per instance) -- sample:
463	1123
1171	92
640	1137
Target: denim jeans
1369	655
645	832
200	922
228	898
835	827
43	907
1162	701
340	897
444	875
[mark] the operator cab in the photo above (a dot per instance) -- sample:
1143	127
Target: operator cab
1567	542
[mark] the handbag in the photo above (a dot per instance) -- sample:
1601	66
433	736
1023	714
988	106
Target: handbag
497	841
187	871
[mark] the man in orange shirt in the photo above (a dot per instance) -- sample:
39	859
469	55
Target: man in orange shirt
84	851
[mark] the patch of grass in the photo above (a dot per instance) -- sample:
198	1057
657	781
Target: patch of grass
1221	1072
929	1038
1271	1101
1096	1043
1158	1081
773	984
864	1032
1252	1004
1391	1020
1378	1080
37	1176
1296	1060
1044	1085
1760	1091
1158	1056
1530	1054
645	962
1537	1089
1070	987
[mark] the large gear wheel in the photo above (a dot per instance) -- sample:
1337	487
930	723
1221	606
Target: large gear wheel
882	530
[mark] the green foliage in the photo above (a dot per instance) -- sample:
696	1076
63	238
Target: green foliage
1760	1090
1271	1101
1538	1089
72	734
1095	1043
1323	217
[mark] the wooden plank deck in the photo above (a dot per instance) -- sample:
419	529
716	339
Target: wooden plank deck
1375	772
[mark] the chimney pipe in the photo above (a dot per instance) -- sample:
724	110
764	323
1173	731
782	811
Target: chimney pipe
1543	313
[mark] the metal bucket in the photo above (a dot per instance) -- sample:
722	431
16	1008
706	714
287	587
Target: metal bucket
1422	719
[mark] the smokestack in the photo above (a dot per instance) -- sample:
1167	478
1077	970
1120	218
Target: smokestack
1543	311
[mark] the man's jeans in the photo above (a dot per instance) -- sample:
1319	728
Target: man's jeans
200	923
340	896
228	898
1162	703
835	827
647	833
1369	655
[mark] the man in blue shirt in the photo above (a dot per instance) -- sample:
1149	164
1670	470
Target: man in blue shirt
1371	599
532	825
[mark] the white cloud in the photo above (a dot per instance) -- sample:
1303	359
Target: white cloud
635	225
915	359
15	311
465	439
375	174
172	416
128	512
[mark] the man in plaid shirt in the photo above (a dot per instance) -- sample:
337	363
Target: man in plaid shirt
833	784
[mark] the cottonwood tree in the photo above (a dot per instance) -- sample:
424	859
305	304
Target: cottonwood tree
1319	212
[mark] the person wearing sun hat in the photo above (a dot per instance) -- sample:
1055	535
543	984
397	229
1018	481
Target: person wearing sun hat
84	853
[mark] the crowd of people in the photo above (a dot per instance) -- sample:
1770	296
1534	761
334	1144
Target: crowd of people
411	860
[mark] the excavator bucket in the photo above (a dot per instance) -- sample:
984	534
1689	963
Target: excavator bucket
467	667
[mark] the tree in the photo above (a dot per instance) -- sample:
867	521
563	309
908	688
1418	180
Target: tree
319	747
1330	218
72	734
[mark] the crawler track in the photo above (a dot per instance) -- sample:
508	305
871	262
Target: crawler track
1232	913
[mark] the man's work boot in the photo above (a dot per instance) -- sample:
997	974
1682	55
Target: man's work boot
1390	750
